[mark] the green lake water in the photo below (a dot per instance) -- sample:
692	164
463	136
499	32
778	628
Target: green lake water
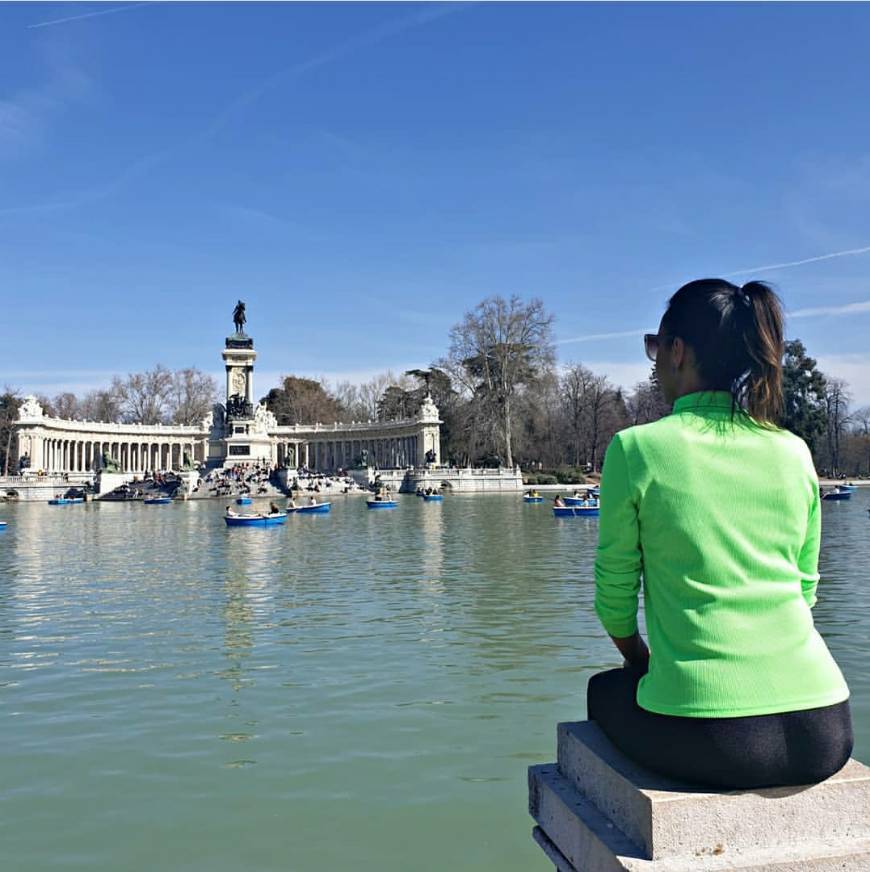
360	690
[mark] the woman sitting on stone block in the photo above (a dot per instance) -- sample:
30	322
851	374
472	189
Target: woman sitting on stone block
717	509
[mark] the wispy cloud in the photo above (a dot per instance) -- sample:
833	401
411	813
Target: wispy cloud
94	194
366	39
847	309
87	15
859	308
853	369
26	115
626	375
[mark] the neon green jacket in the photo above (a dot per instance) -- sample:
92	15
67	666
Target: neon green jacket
722	521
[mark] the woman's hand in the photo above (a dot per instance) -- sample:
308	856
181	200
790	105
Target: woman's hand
634	650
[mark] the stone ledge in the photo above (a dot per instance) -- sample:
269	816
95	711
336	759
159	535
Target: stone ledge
579	838
666	818
598	811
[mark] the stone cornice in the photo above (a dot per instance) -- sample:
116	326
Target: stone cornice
84	429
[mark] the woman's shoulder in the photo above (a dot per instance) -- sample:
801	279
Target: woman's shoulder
670	432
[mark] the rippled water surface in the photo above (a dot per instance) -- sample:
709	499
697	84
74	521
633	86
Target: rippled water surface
361	690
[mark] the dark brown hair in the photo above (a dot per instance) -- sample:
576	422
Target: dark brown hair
737	337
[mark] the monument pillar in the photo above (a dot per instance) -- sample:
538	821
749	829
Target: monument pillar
246	436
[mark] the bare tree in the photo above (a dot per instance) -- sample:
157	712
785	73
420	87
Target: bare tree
347	394
497	348
578	384
145	396
66	405
595	411
860	438
104	404
192	396
837	399
646	403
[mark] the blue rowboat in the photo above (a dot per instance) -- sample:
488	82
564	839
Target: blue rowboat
3	525
157	501
837	494
319	509
381	504
256	520
433	498
848	487
65	501
575	511
528	499
244	501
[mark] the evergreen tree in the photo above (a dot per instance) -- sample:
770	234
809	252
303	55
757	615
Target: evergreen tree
804	394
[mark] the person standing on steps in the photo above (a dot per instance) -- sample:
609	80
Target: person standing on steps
716	509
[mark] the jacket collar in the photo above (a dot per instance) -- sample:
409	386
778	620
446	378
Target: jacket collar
703	400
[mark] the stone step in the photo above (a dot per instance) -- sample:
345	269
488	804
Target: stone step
577	837
665	818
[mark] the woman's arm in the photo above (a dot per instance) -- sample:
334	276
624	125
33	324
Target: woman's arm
619	561
808	559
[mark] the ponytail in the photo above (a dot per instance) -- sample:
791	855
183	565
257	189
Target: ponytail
759	391
737	337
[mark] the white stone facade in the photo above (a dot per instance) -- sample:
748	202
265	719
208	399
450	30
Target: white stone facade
234	432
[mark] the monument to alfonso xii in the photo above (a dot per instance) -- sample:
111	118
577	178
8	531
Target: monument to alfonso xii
235	431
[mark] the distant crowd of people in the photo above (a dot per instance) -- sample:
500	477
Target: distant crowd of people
243	478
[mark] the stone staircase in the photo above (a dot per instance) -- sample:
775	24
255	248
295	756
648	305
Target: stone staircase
597	811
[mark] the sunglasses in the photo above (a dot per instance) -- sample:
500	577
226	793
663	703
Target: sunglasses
651	343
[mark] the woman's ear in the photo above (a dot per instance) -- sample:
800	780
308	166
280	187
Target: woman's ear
678	353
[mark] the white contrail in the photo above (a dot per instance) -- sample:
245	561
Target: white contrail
847	309
87	15
592	337
848	252
365	39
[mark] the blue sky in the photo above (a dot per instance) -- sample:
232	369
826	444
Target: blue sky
362	174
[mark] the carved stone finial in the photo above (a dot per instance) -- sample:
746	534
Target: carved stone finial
30	408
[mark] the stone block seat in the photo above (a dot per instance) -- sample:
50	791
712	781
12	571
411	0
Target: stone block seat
597	811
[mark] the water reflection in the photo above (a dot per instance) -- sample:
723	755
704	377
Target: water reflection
398	666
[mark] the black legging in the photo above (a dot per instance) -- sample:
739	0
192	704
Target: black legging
786	749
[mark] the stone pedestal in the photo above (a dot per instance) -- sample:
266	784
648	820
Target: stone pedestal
597	811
